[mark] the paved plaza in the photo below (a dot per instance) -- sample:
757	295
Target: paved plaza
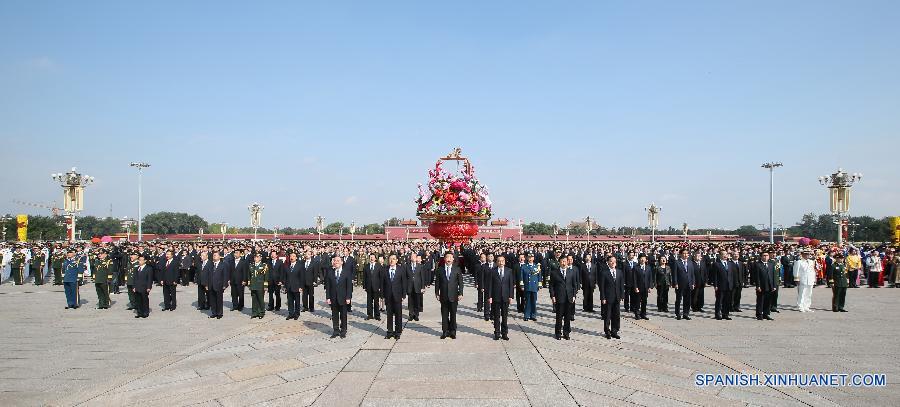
53	356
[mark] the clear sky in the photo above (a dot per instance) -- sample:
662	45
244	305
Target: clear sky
567	109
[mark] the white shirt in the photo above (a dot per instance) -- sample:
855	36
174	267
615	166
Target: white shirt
805	271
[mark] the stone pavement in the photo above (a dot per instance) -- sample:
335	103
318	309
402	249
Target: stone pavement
91	357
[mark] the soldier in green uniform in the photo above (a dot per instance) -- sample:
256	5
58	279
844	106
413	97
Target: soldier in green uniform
37	266
779	273
103	269
129	277
259	281
16	266
56	262
839	280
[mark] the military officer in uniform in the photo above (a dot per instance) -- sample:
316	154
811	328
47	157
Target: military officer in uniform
259	281
56	261
102	269
72	274
839	280
37	266
129	279
531	281
17	267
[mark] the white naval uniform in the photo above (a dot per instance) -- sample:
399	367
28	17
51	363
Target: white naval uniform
805	277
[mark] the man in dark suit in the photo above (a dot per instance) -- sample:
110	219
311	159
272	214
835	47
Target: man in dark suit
416	286
588	282
723	281
701	275
170	278
373	286
394	288
293	284
485	273
642	275
338	293
478	277
238	274
739	268
563	286
448	289
765	286
276	277
310	269
627	266
143	282
683	279
218	282
612	291
499	291
202	278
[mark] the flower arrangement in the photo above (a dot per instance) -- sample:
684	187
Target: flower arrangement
450	195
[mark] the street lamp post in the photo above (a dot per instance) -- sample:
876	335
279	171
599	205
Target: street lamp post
653	220
352	230
126	224
589	225
255	217
224	229
839	185
140	166
771	166
320	226
73	184
684	228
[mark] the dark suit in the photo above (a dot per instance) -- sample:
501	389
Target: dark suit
276	277
683	278
238	275
143	282
484	274
373	286
448	289
738	271
499	291
642	279
612	290
701	275
394	291
416	286
339	290
588	282
202	276
293	283
563	286
170	278
309	270
765	284
218	282
723	280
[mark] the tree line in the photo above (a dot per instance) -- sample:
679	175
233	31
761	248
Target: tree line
822	227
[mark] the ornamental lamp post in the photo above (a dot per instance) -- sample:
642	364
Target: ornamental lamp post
589	225
73	184
771	166
653	220
320	226
352	230
140	166
127	223
839	184
255	217
224	229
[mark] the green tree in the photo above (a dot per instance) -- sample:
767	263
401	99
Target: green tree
747	230
165	223
333	228
372	229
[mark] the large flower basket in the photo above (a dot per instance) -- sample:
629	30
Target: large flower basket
453	206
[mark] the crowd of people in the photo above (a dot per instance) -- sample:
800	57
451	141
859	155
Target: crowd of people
505	276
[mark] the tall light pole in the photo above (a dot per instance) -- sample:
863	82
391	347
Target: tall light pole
839	185
653	220
320	226
73	184
140	219
255	217
352	229
771	166
224	229
589	225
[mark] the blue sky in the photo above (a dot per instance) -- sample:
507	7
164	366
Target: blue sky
566	109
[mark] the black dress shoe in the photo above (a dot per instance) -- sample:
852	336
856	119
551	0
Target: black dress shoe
759	318
334	335
388	336
843	310
687	318
443	336
645	318
343	335
378	319
505	338
218	317
718	318
452	336
566	337
368	318
768	318
678	317
774	310
607	336
137	316
616	336
556	337
67	307
727	318
211	316
496	337
269	309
